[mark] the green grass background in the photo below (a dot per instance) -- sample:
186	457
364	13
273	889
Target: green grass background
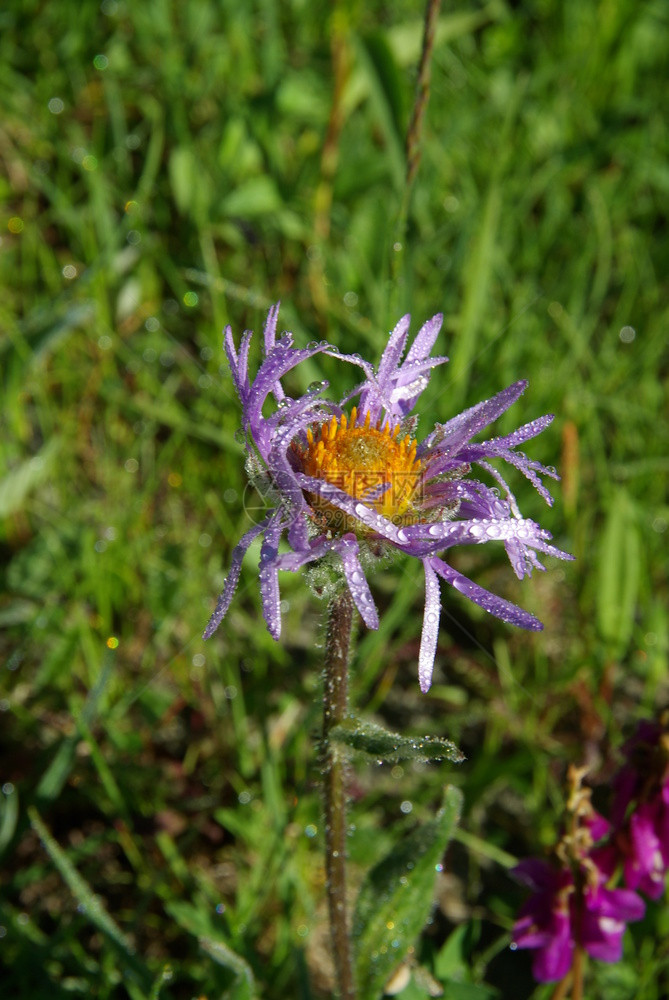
162	175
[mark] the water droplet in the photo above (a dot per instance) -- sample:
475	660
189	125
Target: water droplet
315	387
476	530
434	530
240	436
402	535
312	345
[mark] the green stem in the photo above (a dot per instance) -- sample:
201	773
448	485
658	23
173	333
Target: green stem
335	700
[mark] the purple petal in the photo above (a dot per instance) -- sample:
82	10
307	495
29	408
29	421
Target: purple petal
269	331
394	349
317	548
494	605
428	642
529	468
282	360
269	338
644	865
619	903
524	433
268	574
536	874
425	339
357	582
602	937
445	534
232	578
554	961
451	436
241	383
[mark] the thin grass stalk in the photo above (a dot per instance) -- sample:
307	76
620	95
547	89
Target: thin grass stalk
415	132
339	48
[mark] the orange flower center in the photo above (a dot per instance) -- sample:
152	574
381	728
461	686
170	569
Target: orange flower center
369	463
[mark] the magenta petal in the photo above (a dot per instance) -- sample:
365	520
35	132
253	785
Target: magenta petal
554	961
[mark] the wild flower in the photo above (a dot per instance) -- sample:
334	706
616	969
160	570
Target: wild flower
349	484
571	905
640	811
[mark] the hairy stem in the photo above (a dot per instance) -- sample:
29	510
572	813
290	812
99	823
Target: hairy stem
335	697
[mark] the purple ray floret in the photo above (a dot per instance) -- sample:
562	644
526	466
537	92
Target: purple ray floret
344	489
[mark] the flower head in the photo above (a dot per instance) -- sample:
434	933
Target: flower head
641	808
571	904
568	909
347	486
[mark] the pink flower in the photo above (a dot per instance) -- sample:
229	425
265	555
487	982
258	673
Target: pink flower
559	916
641	809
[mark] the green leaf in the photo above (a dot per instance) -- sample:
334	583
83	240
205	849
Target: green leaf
619	570
89	902
375	741
396	898
244	989
20	482
378	77
198	922
182	171
454	990
9	814
254	197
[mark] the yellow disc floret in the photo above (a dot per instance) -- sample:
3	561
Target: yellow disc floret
369	463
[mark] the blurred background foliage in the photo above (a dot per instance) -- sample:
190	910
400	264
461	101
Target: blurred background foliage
168	168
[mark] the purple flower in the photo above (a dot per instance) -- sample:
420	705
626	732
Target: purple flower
559	916
647	857
641	809
347	487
